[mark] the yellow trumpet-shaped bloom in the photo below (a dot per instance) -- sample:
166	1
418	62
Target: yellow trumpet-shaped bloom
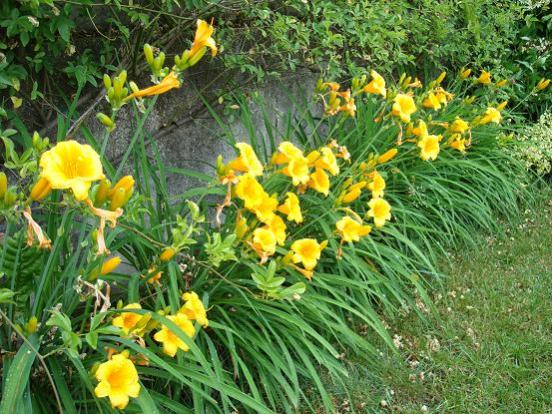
377	185
298	170
264	241
266	207
247	161
203	38
403	107
376	85
327	161
351	230
169	82
484	78
250	191
491	115
459	126
171	342
432	102
277	226
71	165
291	208
429	147
421	130
128	320
118	380
286	152
307	252
380	211
320	181
458	143
194	309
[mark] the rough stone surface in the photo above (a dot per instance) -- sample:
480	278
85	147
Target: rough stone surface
192	139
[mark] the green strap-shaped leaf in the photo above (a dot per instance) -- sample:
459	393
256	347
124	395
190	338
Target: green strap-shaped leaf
17	378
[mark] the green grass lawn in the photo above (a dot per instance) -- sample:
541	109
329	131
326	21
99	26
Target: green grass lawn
489	350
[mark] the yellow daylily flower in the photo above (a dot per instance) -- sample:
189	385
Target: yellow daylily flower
127	320
286	152
250	191
404	107
421	130
376	85
203	38
247	161
377	185
194	309
327	161
459	126
291	208
118	380
491	115
502	83
429	147
458	143
71	165
432	102
484	77
264	240
167	254
266	207
171	342
298	170
277	226
320	181
351	230
380	211
307	252
169	82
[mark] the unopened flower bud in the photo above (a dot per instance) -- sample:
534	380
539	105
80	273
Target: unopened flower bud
148	53
167	254
110	265
103	192
41	190
107	81
117	199
3	184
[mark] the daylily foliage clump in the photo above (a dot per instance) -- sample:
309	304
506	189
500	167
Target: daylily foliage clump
134	282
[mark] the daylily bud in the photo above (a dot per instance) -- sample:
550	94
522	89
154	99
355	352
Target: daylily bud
107	81
103	192
110	265
387	156
167	254
543	84
32	325
158	62
36	140
3	184
106	121
40	190
117	199
465	73
10	197
148	53
197	56
501	83
440	78
502	105
126	183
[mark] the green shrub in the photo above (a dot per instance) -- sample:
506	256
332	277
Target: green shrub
533	146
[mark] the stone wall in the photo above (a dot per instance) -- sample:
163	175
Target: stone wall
186	133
